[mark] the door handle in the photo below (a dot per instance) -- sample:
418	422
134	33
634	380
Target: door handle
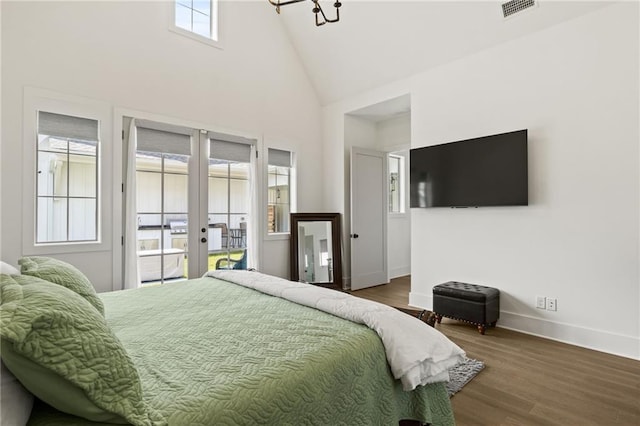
354	235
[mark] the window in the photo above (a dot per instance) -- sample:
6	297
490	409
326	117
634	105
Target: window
67	165
198	17
67	158
279	178
396	184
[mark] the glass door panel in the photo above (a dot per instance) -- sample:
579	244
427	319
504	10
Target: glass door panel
163	212
228	213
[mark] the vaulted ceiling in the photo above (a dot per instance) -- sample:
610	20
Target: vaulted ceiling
378	42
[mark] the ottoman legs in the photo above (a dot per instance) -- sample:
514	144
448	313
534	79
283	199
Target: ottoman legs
481	327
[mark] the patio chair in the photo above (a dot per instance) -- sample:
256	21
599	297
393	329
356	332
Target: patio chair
228	263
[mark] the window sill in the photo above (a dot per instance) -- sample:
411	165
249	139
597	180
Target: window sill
278	236
193	36
65	248
393	216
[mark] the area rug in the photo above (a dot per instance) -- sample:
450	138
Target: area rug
462	374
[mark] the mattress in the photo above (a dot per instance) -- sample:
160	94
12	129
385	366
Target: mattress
210	352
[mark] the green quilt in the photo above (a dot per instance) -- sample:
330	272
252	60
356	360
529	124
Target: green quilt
210	352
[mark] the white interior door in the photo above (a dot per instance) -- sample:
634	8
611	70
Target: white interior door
368	218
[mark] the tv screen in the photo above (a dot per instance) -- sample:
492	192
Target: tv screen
485	171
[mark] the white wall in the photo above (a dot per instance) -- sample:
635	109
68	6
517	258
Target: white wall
394	134
575	87
122	53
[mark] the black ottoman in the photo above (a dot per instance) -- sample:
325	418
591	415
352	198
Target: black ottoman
476	304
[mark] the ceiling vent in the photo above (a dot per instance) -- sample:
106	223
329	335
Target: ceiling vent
513	7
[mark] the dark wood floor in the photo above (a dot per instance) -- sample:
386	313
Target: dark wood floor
533	381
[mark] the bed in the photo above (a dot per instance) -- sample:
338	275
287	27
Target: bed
212	352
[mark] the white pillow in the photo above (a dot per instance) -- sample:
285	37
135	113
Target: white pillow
15	400
5	268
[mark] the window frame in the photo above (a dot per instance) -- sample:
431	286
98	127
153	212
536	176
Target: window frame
217	42
403	181
293	188
36	100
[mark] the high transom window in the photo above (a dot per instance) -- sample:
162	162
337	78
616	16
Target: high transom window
198	17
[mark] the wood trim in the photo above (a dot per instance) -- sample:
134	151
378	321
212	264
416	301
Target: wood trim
336	238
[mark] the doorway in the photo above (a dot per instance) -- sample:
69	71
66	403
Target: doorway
384	127
190	198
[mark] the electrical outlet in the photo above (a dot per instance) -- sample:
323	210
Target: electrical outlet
541	302
552	304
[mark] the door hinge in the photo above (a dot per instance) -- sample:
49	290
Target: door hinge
122	188
122	240
122	134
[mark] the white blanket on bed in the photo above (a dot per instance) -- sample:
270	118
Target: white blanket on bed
417	354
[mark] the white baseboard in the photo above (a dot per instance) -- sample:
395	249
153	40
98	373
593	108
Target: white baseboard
400	271
599	340
420	300
346	283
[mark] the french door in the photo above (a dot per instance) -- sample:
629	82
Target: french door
193	196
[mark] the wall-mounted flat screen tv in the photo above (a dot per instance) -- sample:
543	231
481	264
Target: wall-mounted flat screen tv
485	171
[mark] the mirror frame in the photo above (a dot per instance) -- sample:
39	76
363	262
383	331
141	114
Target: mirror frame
336	244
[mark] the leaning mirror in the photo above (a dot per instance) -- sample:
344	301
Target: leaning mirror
315	249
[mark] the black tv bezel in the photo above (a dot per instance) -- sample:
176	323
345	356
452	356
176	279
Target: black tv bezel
413	203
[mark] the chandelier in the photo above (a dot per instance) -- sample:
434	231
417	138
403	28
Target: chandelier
321	18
